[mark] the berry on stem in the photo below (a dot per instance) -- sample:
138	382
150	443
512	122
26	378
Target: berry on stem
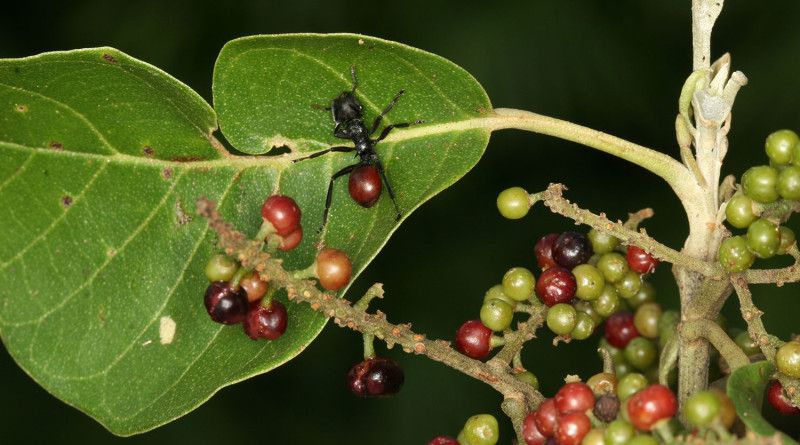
645	320
473	339
571	249
584	326
481	429
546	417
530	432
519	283
590	282
365	185
333	269
561	318
225	304
613	266
739	211
544	251
574	397
282	212
780	145
760	183
291	240
375	377
641	261
651	405
220	268
607	407
779	401
254	286
443	440
702	408
572	428
763	238
556	285
619	329
787	359
496	315
734	255
789	183
630	385
266	321
602	242
788	240
513	203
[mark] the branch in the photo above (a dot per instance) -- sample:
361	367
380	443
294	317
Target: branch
752	316
553	198
704	14
707	329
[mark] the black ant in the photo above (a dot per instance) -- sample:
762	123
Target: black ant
365	175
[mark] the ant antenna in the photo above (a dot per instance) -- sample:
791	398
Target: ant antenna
353	75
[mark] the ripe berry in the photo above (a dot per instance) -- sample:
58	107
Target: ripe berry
291	240
789	183
760	183
584	326
779	401
561	318
546	418
645	320
220	268
763	238
282	212
590	282
602	242
443	440
513	203
787	359
779	146
266	321
607	407
333	269
481	429
651	405
739	212
473	339
556	285
518	283
574	397
531	432
496	315
224	304
640	261
571	249
572	428
619	329
734	255
702	408
613	266
544	251
254	286
365	185
375	377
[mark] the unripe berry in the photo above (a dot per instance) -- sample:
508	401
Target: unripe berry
513	203
333	269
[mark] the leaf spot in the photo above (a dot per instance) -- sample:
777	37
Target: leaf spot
166	173
166	329
66	200
181	217
111	252
21	108
55	145
109	58
148	151
360	41
187	159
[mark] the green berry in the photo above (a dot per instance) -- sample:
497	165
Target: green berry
787	240
584	327
561	318
481	429
513	203
220	268
641	353
763	238
496	315
702	408
739	211
789	183
642	439
646	319
629	285
646	294
779	146
518	283
587	308
602	242
760	183
607	302
734	255
618	432
622	369
613	265
630	385
589	280
747	344
788	359
496	293
529	378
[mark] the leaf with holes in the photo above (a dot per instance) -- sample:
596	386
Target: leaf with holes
104	156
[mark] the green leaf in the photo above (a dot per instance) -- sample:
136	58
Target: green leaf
746	387
105	156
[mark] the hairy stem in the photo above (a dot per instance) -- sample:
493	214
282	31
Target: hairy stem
707	329
752	316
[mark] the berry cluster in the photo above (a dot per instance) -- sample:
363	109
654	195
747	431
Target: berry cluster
762	187
480	429
787	360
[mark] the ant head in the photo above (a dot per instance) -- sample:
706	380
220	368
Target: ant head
346	108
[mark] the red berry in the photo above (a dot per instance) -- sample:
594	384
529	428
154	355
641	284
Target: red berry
375	377
556	285
651	405
474	339
365	185
333	269
571	249
282	212
640	261
572	427
291	240
531	432
266	321
619	329
574	397
546	418
224	304
544	251
443	440
778	399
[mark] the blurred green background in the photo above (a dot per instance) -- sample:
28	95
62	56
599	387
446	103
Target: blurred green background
614	66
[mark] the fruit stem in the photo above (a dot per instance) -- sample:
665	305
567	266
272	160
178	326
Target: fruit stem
308	272
266	300
238	275
608	362
369	346
752	316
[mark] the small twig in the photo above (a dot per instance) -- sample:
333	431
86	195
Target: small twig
707	329
515	340
752	316
553	198
668	359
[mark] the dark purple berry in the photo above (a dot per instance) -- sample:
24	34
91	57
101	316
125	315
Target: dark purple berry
544	251
571	249
375	377
224	304
265	321
606	407
365	185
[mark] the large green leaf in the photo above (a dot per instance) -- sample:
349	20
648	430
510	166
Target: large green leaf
103	159
746	388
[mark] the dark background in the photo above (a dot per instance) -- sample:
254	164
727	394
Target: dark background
616	66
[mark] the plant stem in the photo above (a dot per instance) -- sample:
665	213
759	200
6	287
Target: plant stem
707	329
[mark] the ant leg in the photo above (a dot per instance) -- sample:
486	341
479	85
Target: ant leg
353	75
389	128
329	198
338	149
379	167
320	107
388	108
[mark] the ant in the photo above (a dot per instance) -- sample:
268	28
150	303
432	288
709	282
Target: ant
365	175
